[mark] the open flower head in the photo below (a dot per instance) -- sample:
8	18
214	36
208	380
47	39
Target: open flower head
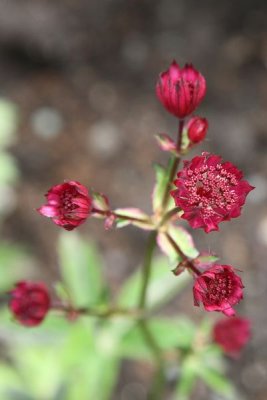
210	191
219	288
232	334
68	204
180	90
29	302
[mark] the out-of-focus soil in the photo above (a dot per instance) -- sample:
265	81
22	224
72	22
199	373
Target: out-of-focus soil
83	75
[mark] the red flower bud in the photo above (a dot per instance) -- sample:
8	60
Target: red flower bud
29	302
232	334
218	288
197	129
210	191
181	90
68	204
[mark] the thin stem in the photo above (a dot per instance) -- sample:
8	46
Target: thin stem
158	386
159	379
169	215
175	160
184	258
174	165
68	309
108	213
180	134
151	244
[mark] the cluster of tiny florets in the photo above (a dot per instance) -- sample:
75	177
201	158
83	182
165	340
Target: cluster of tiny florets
210	191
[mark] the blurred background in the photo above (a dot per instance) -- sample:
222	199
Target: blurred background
77	88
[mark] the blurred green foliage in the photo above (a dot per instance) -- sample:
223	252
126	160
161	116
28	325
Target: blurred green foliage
81	359
64	360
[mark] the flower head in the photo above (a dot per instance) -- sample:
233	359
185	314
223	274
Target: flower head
232	334
218	288
29	302
197	129
210	191
68	204
180	90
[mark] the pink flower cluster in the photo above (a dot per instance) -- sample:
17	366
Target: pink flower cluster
29	302
232	334
210	191
207	192
219	288
68	204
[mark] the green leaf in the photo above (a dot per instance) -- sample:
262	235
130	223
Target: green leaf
185	140
188	377
216	381
163	285
9	380
166	143
133	213
90	371
80	268
162	179
93	378
100	202
182	238
169	333
206	258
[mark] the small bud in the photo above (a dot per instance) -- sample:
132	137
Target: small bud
180	90
197	129
29	302
166	143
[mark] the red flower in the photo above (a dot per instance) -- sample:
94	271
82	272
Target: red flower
210	191
29	302
181	90
68	204
232	334
197	129
218	288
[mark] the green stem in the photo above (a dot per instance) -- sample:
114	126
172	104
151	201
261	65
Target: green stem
107	213
100	313
157	389
169	215
173	168
175	160
159	380
151	244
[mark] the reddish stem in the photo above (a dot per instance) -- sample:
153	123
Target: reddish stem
187	262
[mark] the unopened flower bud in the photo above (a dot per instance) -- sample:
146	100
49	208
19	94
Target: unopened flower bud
197	129
180	90
29	302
